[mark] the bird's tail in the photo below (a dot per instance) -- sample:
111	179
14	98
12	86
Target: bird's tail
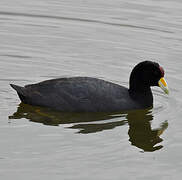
20	91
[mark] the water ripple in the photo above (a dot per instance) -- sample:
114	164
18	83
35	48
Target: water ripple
82	20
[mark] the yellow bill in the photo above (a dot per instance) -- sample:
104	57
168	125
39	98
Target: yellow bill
163	85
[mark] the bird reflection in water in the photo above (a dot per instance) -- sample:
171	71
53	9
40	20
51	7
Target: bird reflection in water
140	132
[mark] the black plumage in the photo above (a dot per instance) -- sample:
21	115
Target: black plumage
86	94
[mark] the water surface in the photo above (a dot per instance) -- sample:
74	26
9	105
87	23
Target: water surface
50	38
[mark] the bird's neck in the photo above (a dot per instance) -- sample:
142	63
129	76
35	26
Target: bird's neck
139	88
142	95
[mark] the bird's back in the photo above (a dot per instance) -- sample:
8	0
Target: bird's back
77	94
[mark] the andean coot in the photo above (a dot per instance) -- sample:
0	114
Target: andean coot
86	94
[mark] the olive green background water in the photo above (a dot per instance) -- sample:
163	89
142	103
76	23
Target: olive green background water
100	38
